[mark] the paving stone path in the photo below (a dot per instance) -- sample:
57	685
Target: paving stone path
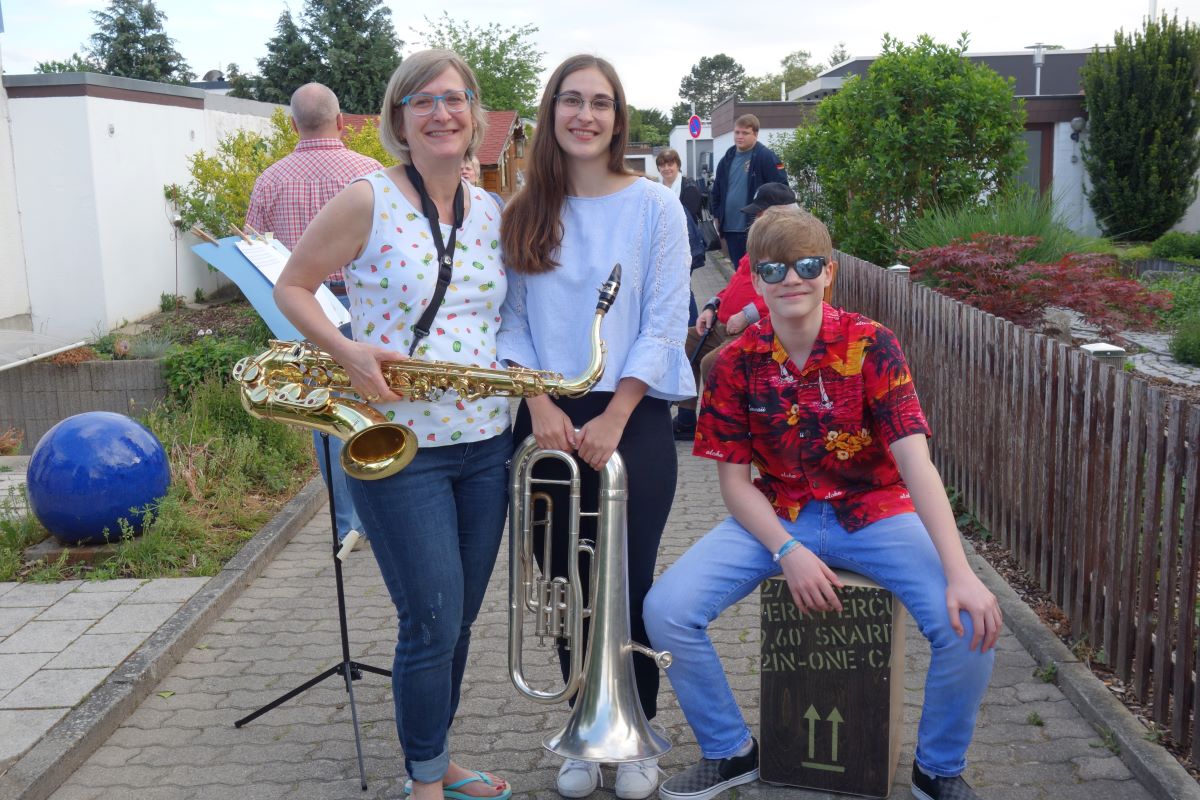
181	744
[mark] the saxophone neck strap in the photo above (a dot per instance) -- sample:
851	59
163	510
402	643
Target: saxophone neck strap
445	251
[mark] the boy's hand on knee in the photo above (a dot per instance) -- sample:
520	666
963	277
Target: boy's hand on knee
970	595
812	583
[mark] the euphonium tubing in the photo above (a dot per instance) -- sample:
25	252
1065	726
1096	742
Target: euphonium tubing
297	384
607	722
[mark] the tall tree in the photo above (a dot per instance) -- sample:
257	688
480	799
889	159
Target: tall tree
710	81
796	71
838	54
358	49
506	62
76	63
648	125
924	128
290	62
131	43
1141	152
681	113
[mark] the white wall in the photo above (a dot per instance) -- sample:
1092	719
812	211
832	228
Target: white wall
14	300
100	244
690	149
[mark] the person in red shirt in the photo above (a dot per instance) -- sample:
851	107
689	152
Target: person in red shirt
821	402
728	313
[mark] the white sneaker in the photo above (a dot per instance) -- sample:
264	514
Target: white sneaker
578	778
637	779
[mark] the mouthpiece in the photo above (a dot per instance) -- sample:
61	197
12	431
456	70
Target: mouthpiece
608	292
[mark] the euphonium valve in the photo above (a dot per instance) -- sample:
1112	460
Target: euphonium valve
297	384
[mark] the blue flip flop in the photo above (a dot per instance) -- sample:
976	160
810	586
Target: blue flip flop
450	791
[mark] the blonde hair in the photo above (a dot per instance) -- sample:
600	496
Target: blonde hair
747	121
413	73
786	233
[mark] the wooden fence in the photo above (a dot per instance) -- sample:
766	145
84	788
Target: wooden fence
1088	474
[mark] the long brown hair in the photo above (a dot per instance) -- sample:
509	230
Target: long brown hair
532	227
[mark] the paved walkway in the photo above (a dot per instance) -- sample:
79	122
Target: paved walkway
180	743
58	641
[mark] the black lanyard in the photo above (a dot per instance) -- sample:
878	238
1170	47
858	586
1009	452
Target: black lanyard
445	251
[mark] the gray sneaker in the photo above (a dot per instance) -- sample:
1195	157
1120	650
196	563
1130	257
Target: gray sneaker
709	777
927	788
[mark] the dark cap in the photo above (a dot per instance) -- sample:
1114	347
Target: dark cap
770	194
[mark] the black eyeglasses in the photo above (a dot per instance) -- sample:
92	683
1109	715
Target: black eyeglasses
775	271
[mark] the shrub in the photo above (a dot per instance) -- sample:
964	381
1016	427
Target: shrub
1142	149
188	366
994	274
1185	344
925	128
1018	212
1184	287
1176	244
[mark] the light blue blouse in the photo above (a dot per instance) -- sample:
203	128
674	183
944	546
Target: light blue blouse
546	318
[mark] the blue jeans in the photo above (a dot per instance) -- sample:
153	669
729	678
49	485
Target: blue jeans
728	563
344	511
345	516
435	530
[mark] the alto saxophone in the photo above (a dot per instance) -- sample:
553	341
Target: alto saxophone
297	384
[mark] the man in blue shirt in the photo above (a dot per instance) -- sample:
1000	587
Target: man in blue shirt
745	167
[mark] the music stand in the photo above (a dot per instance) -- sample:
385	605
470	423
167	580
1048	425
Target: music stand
224	255
348	668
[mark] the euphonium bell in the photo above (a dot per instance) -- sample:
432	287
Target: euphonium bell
607	723
297	384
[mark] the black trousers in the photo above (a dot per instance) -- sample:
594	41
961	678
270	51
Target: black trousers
648	448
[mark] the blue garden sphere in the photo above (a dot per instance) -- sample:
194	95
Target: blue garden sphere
89	470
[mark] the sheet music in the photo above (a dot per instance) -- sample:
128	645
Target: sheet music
269	258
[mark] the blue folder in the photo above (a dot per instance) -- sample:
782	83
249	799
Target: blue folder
258	290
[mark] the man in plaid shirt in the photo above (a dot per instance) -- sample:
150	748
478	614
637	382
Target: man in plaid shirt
285	199
291	191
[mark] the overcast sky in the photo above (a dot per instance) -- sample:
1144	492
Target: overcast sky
653	43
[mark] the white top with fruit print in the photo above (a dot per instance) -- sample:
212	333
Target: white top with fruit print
393	281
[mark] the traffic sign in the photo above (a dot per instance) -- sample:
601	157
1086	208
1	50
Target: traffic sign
694	126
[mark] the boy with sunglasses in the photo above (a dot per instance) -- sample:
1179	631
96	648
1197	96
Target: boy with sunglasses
821	401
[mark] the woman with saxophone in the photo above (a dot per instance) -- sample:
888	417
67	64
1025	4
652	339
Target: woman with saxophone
436	525
581	212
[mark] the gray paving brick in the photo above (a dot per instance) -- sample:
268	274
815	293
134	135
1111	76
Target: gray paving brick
36	594
97	650
54	688
116	585
167	590
12	619
44	637
5	586
83	605
16	667
141	618
21	729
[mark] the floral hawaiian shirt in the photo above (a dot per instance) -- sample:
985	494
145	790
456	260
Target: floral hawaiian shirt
821	432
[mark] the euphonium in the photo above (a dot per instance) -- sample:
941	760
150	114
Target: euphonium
607	723
297	384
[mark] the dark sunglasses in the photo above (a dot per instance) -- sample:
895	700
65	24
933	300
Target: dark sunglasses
776	271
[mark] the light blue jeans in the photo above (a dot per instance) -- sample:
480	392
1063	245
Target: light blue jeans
435	530
345	516
729	563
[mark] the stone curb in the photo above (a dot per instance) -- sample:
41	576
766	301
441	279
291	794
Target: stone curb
1153	766
51	761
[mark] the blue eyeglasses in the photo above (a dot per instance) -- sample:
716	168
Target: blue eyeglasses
423	103
775	271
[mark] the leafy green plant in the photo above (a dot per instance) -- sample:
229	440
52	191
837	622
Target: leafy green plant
19	529
1019	211
1047	674
169	302
1184	288
187	366
1185	343
1176	244
149	346
925	128
1034	718
1142	147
